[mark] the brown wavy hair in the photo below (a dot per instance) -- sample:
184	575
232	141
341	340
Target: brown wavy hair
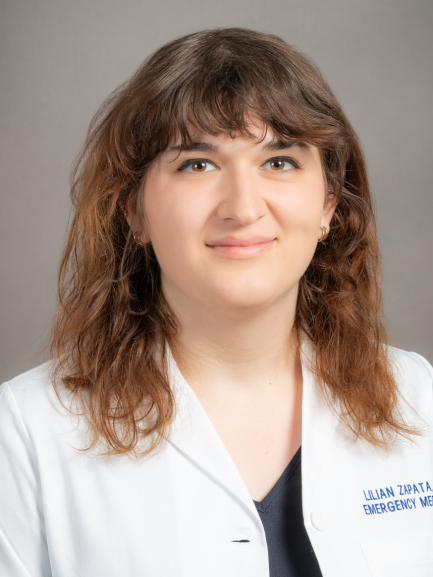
112	313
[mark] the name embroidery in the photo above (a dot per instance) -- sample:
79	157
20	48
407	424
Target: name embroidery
412	494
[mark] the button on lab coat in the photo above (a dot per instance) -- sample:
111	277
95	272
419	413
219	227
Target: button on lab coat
186	512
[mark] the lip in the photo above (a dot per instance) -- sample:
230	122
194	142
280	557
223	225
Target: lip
239	248
239	241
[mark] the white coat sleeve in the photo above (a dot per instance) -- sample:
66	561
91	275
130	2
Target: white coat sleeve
426	364
23	546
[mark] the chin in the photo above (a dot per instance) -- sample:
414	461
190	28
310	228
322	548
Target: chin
251	298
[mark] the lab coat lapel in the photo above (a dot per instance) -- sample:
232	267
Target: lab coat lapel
319	425
195	438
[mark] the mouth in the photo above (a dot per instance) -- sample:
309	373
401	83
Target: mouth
240	251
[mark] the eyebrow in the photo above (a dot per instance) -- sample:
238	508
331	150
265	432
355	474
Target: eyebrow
208	147
283	144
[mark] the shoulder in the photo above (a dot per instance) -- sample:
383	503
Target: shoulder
31	402
414	375
30	389
412	363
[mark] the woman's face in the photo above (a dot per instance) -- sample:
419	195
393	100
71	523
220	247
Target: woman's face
234	222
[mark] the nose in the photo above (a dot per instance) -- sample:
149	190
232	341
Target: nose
241	198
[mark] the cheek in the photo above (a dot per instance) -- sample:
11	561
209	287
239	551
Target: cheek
300	219
301	211
171	225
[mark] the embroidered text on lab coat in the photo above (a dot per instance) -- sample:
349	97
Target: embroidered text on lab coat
388	505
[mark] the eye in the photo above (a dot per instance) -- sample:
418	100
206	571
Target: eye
280	164
197	165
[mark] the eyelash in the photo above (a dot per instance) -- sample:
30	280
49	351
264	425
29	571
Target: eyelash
288	159
191	161
188	163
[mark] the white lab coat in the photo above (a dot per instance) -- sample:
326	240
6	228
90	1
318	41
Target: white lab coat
183	512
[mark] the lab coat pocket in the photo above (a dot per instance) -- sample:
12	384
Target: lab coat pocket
412	556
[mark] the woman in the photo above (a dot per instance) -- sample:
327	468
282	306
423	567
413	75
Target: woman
220	307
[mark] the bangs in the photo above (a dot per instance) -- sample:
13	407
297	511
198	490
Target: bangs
229	112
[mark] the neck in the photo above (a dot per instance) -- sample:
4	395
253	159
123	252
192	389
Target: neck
243	349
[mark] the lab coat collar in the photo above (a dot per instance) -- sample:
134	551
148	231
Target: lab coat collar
194	436
319	427
196	439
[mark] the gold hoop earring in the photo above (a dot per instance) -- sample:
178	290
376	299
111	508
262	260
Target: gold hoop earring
137	238
325	233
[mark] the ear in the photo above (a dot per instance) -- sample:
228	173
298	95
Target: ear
127	208
121	204
329	209
132	218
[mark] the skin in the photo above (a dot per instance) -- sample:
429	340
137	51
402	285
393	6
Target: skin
235	346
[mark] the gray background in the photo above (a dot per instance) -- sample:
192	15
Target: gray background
60	58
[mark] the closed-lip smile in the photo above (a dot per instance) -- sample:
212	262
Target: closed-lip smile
239	241
241	247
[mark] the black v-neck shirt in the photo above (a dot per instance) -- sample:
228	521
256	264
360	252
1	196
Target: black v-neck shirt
289	547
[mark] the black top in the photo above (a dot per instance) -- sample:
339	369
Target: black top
289	547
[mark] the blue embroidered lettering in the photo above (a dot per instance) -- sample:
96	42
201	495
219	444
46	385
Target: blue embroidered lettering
397	504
